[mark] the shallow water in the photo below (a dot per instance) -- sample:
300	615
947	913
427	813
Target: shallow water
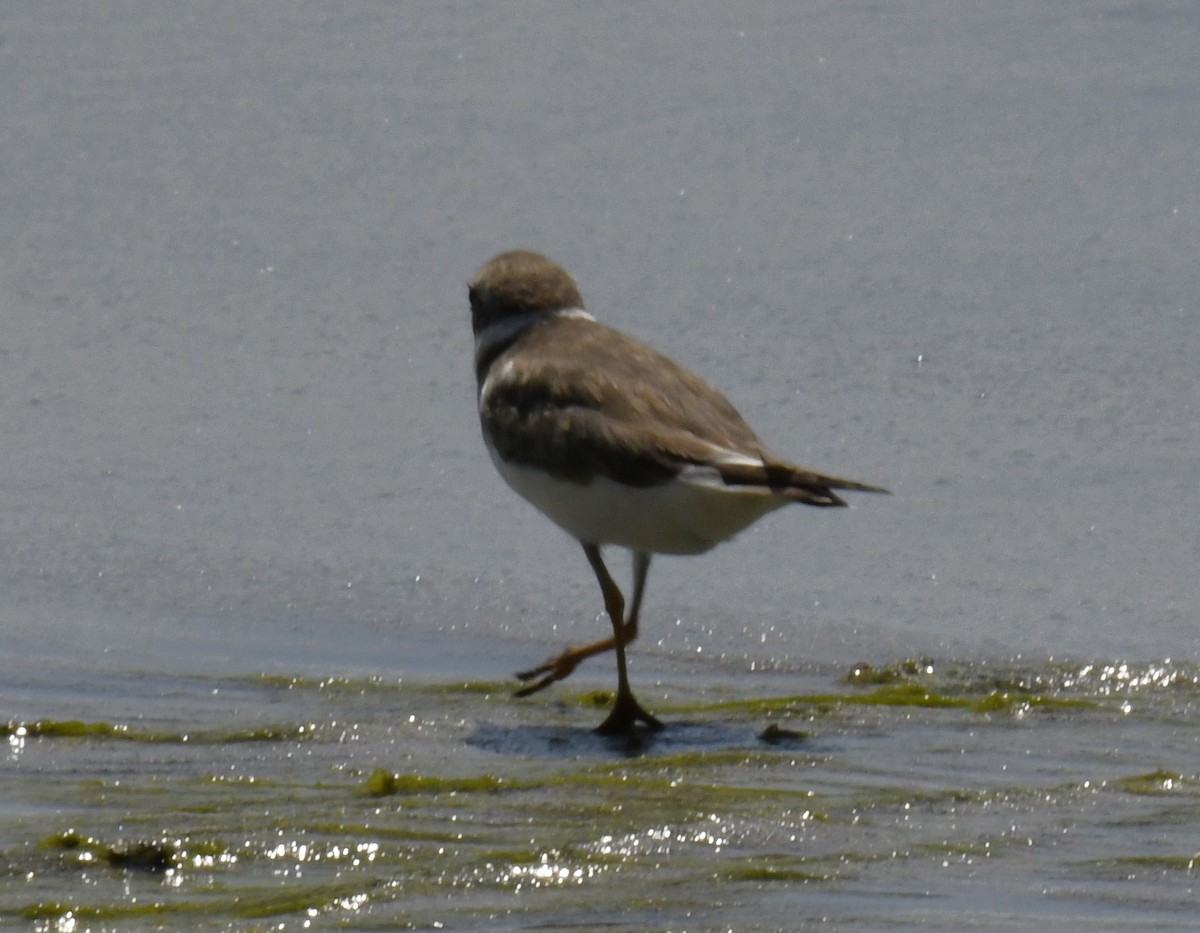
260	588
943	795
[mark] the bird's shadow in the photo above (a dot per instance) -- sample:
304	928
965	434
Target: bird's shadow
573	742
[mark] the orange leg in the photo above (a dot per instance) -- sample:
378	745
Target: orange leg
562	666
626	711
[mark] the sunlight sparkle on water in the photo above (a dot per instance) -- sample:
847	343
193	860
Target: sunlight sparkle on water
550	870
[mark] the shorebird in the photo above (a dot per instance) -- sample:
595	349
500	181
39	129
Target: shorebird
617	444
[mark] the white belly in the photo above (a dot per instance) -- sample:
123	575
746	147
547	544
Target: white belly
684	516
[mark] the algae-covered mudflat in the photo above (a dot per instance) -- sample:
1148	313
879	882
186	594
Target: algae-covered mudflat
918	793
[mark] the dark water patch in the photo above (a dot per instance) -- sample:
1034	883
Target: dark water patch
573	741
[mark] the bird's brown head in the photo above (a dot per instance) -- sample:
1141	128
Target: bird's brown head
520	282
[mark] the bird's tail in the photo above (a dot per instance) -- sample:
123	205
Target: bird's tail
795	483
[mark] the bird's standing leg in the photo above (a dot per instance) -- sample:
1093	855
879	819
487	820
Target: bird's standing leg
641	566
561	666
626	712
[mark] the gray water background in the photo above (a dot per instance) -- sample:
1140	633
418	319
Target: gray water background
946	247
949	247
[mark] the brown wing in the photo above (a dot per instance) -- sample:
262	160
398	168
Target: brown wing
578	398
596	401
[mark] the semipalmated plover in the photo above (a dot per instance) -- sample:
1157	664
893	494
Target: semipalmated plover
616	444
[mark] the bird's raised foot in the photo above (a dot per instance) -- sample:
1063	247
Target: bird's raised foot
626	713
555	669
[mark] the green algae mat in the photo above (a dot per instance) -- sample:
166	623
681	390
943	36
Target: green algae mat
914	793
